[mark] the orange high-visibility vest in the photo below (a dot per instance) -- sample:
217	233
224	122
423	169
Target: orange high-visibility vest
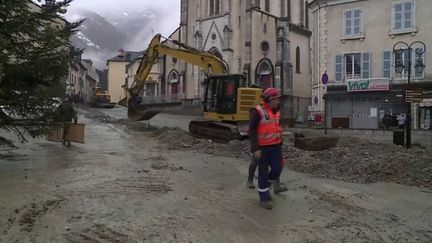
269	130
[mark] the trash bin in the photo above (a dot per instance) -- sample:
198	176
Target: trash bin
399	136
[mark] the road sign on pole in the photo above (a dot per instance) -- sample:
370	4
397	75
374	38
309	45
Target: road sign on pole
414	95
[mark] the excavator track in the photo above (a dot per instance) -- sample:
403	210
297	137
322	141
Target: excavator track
216	131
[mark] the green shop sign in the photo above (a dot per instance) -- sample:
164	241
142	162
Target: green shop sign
362	85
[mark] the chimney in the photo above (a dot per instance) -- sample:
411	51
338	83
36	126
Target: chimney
121	53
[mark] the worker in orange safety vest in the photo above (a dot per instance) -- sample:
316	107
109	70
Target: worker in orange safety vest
265	134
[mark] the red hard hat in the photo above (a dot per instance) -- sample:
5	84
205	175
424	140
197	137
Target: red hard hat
271	93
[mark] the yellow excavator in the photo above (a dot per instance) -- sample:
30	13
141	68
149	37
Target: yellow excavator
226	102
101	99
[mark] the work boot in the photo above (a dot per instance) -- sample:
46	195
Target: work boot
68	143
266	204
277	187
250	184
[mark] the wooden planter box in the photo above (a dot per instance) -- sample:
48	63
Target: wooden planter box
76	133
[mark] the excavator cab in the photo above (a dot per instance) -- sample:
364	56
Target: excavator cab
227	102
221	93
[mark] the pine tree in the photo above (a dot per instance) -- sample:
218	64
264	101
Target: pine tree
35	52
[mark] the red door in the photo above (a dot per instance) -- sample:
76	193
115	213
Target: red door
266	81
174	88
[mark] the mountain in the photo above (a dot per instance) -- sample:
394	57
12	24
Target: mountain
102	35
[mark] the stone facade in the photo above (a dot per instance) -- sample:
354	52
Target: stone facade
172	72
266	40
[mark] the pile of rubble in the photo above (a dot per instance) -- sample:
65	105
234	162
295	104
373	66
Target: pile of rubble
96	114
352	160
362	161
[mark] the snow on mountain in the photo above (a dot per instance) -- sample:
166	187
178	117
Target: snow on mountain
102	34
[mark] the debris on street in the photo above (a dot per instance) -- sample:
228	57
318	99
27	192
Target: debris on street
352	160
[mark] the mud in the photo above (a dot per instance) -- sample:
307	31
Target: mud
143	183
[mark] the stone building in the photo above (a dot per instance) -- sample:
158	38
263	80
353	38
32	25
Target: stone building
266	40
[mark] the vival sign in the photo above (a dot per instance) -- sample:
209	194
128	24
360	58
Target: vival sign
363	85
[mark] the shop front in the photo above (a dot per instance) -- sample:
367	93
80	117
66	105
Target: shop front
365	104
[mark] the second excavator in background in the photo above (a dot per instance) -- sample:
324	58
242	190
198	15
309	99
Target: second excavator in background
226	102
101	99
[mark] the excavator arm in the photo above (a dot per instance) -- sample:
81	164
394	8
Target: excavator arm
207	61
226	102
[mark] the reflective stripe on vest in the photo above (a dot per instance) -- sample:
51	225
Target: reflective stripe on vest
269	130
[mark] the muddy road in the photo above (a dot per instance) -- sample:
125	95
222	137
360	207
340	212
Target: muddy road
140	183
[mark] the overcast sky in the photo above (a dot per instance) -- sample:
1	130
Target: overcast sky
171	9
168	24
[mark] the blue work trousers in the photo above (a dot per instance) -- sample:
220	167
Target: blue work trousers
270	157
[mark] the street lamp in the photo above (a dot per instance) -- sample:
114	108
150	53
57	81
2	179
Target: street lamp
402	65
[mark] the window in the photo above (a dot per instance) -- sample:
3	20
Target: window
265	46
306	17
213	7
302	13
288	10
353	22
403	16
267	5
352	66
298	59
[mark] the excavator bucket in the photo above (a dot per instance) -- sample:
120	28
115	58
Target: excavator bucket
140	112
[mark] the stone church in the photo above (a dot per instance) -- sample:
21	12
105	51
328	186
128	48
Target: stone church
268	41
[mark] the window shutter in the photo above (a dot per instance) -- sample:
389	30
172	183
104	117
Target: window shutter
413	14
356	22
387	64
407	12
397	16
366	61
338	68
348	22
